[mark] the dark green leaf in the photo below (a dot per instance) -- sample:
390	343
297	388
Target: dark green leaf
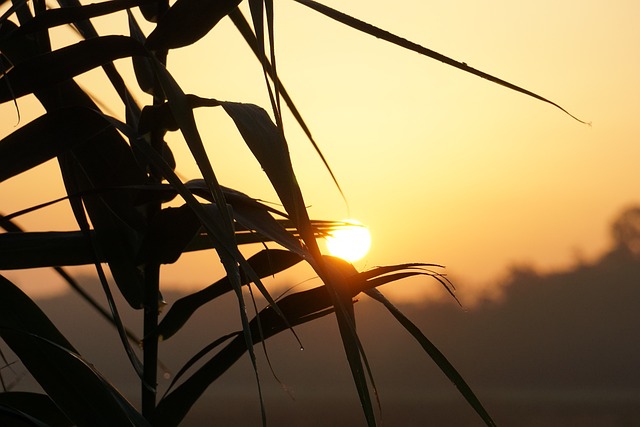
97	169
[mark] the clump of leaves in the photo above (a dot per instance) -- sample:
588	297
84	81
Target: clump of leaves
119	176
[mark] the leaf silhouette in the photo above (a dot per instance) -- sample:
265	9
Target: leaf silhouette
27	77
76	387
404	43
298	308
187	21
47	137
41	409
265	263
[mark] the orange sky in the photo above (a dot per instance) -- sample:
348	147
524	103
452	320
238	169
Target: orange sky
442	166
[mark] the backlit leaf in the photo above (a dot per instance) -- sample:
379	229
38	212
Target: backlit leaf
265	263
445	366
187	21
404	43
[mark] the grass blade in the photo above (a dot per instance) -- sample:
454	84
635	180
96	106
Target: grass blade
47	137
27	77
265	263
77	388
39	406
445	366
245	30
404	43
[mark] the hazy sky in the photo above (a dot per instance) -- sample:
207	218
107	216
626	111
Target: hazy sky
442	166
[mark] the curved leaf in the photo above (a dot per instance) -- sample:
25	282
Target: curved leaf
265	263
73	14
27	77
298	308
36	405
46	137
266	143
245	30
445	366
187	21
404	43
75	386
169	233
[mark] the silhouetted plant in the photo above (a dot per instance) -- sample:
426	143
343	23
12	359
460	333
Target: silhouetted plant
119	175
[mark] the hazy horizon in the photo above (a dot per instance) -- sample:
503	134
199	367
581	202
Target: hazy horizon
557	349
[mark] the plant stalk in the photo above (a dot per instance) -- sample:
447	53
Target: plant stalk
152	270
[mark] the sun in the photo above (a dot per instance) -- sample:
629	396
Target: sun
350	242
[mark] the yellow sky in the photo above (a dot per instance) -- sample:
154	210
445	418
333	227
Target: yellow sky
442	166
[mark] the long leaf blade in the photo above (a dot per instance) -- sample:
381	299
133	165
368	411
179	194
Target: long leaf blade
27	77
46	137
445	366
399	41
265	263
76	387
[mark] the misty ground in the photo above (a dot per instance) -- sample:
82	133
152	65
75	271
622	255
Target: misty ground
559	349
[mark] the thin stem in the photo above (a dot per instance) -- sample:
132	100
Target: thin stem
152	270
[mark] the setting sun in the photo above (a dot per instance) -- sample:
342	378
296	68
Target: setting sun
350	242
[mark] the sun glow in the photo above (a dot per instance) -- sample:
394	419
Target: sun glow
350	242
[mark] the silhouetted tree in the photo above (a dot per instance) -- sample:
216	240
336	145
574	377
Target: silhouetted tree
626	231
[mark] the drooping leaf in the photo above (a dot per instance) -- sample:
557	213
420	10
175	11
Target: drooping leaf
255	216
337	275
297	308
270	149
265	263
266	144
187	21
445	366
404	43
75	386
243	27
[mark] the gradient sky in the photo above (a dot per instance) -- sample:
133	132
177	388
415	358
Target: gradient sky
443	166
